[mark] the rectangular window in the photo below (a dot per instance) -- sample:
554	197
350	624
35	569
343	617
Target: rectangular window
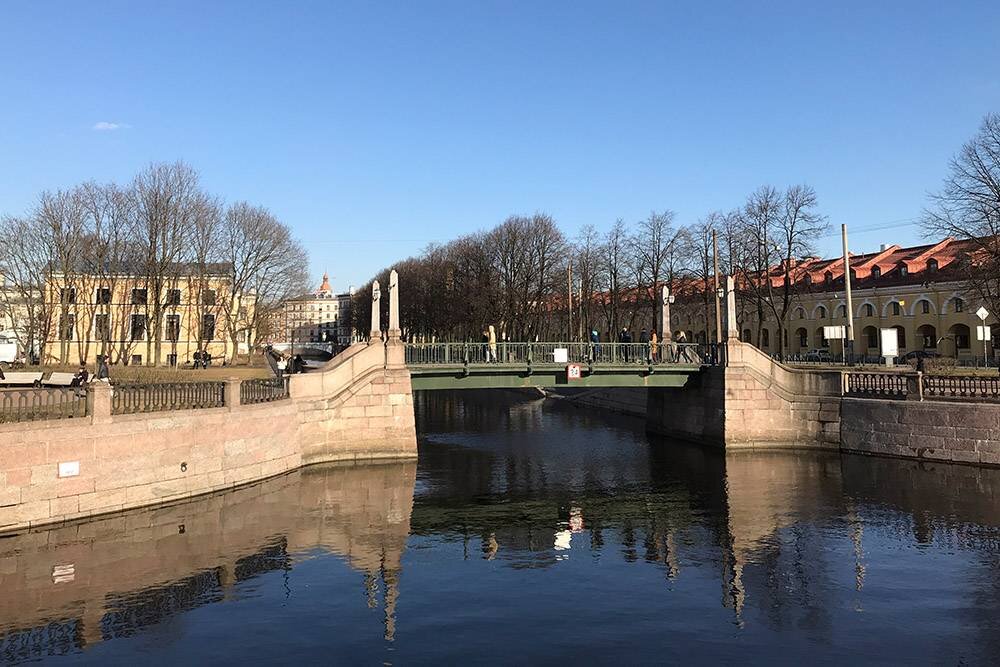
173	297
67	295
66	326
139	297
103	296
138	327
102	327
137	360
208	297
173	328
208	327
171	360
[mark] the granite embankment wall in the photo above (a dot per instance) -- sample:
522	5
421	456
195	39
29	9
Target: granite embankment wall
752	402
930	430
756	402
359	407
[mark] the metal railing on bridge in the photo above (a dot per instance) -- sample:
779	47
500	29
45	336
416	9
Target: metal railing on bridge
163	396
263	390
540	354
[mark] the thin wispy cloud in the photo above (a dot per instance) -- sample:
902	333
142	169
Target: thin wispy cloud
105	126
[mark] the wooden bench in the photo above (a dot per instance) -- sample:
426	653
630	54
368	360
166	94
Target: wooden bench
20	379
58	380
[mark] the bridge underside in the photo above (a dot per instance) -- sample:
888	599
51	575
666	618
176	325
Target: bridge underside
493	376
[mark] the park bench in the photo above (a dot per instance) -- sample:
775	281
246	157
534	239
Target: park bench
21	379
58	380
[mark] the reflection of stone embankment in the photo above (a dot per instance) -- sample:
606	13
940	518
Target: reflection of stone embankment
79	584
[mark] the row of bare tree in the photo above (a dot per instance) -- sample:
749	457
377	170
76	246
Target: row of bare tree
531	282
160	233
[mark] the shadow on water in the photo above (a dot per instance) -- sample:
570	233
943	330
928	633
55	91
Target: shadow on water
530	530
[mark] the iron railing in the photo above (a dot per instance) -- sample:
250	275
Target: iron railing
539	354
957	386
22	405
135	398
263	390
882	385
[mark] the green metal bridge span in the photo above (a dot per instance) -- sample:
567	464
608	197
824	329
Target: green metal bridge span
514	365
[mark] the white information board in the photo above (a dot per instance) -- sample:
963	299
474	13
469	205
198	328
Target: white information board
890	342
983	332
561	355
838	332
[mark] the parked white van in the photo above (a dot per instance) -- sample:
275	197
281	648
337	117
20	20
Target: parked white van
8	349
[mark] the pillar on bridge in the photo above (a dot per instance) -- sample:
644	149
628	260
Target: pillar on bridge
376	332
666	332
394	330
732	326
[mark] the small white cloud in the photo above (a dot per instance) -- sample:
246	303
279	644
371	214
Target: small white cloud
105	126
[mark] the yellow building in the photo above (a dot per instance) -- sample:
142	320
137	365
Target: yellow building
918	291
123	317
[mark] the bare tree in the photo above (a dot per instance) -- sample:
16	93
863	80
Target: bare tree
266	265
968	208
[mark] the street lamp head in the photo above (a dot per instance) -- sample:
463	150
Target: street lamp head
671	298
720	292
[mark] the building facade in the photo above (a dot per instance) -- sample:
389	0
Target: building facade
917	291
317	317
128	319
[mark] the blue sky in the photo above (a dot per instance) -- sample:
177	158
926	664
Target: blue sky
373	128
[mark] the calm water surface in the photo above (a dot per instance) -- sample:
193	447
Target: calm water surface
530	532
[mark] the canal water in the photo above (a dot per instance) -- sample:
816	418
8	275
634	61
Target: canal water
530	531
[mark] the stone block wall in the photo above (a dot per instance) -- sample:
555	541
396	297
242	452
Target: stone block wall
752	402
127	461
930	430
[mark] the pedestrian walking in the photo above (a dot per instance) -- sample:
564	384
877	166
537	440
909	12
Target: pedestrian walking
595	344
282	365
492	342
654	345
681	352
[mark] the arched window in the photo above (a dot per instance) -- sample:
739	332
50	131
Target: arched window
900	337
959	305
869	310
828	277
927	335
932	265
821	312
841	310
876	272
820	338
925	306
871	338
809	279
800	313
895	308
803	337
903	270
765	338
960	334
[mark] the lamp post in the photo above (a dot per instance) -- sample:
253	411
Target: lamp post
718	290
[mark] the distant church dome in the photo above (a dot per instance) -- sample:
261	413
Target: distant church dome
325	287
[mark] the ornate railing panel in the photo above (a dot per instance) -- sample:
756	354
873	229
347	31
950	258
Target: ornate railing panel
884	385
540	354
958	386
263	390
22	405
134	398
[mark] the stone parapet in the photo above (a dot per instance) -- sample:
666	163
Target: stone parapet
357	407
